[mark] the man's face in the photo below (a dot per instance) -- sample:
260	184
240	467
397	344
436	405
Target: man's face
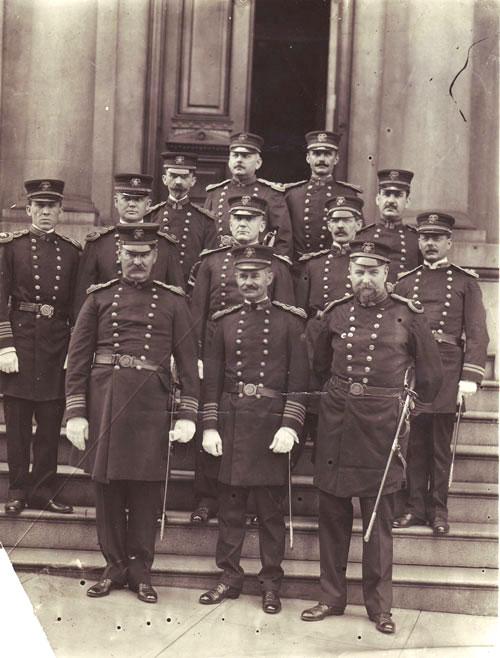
45	215
137	265
253	284
368	281
434	246
343	226
131	208
178	184
243	164
391	203
246	228
322	161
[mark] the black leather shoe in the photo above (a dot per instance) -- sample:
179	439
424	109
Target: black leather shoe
146	593
319	611
218	594
200	515
102	588
51	506
271	602
440	528
407	520
253	521
14	507
384	623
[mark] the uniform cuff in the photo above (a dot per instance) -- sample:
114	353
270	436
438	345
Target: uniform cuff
76	406
294	415
188	408
6	337
210	415
472	372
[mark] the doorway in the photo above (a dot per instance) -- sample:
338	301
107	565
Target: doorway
289	81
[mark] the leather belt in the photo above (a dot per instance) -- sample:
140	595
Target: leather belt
359	389
446	338
252	390
126	361
45	310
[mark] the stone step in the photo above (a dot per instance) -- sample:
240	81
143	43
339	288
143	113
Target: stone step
486	399
467	545
445	589
474	502
490	367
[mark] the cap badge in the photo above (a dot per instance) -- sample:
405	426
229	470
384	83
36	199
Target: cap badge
368	248
433	218
179	159
249	252
322	137
243	137
245	200
135	182
138	234
45	185
340	200
394	175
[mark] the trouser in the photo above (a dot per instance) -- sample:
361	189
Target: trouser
429	460
127	540
206	471
40	486
232	526
335	528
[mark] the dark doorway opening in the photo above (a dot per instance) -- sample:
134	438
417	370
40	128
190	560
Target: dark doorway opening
289	81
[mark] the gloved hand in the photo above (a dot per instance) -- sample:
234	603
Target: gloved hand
9	362
200	368
284	439
212	443
77	431
466	387
183	431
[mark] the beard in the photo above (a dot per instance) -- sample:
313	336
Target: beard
367	294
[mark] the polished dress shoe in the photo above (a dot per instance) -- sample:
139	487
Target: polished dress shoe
407	520
200	515
51	506
219	593
102	588
14	507
440	528
271	602
253	521
319	611
146	593
384	623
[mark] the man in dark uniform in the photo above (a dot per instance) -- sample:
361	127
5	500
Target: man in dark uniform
255	384
307	199
215	288
38	269
244	161
367	342
192	225
100	260
118	378
453	305
392	199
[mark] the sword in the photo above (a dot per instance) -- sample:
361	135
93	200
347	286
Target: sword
290	527
460	409
169	450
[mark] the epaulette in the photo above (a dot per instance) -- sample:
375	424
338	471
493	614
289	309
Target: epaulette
168	236
313	254
214	186
336	302
90	237
363	228
356	188
155	207
72	241
283	258
204	211
289	186
98	286
414	304
466	270
226	311
277	187
291	309
207	252
8	236
401	275
176	289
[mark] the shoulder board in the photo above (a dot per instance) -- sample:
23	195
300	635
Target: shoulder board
204	211
18	234
226	311
95	235
289	186
278	187
466	270
402	275
99	286
411	227
168	236
214	186
155	207
175	289
336	302
313	254
8	236
356	188
291	309
283	258
363	228
75	243
414	304
207	252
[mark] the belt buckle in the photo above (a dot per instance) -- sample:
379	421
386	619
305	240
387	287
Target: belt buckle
125	360
250	390
46	310
356	388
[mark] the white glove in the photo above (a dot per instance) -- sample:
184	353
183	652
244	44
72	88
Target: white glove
200	368
466	387
9	362
212	443
183	431
77	431
65	366
284	439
